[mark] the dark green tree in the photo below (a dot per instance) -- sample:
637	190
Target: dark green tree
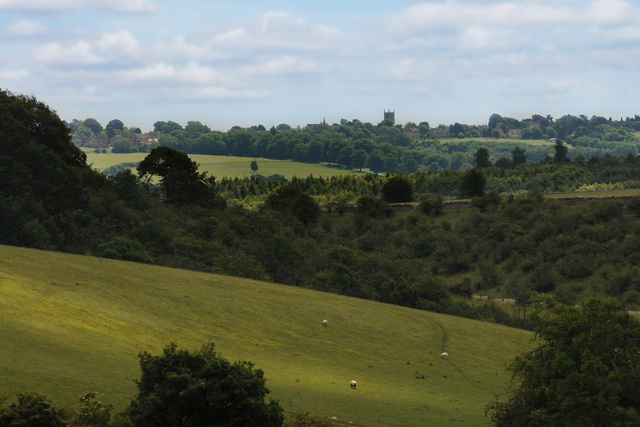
199	389
375	161
358	159
481	158
584	372
562	152
113	126
179	177
254	165
518	156
472	183
94	125
397	189
31	410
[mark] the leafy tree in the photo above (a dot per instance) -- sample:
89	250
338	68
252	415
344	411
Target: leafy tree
584	372
113	126
198	389
481	158
519	156
562	152
179	177
358	159
397	189
254	166
94	125
375	161
472	183
31	410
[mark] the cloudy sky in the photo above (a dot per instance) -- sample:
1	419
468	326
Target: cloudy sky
230	62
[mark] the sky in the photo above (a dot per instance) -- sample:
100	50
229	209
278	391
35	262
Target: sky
243	63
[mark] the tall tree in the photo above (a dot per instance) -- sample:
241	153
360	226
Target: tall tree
481	158
584	372
519	156
562	152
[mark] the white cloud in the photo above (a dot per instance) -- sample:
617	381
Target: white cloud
127	6
24	28
108	47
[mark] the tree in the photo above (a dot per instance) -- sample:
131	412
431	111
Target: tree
94	125
179	177
358	159
254	165
183	389
481	158
375	161
562	151
397	189
93	413
31	410
113	126
584	372
518	156
472	183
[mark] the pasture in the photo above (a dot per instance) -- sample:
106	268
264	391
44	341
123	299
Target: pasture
226	166
71	324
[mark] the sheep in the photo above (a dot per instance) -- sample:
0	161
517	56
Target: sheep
445	355
325	323
353	384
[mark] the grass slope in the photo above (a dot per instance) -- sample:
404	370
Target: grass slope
71	324
226	166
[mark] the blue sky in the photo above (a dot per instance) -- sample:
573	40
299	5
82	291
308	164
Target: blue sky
250	62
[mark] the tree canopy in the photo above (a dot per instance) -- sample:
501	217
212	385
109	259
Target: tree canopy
584	372
198	389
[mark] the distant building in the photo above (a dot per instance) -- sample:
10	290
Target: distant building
390	115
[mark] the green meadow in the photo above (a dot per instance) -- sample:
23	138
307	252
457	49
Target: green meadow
71	324
226	166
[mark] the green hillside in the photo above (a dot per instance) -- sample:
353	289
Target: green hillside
71	324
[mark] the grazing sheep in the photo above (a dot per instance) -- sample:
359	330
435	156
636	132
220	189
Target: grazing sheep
334	419
353	384
445	355
325	323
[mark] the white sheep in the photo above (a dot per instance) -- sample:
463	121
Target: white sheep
353	384
445	355
325	323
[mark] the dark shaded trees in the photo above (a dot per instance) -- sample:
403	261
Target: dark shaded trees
31	410
584	371
198	389
397	189
179	177
472	183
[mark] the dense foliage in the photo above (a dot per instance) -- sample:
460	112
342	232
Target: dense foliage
199	389
585	370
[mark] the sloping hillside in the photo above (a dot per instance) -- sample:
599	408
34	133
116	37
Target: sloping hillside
71	324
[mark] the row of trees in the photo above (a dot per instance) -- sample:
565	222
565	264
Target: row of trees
388	148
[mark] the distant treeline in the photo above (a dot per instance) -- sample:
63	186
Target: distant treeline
384	147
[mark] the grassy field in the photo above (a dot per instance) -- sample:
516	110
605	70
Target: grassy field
226	166
71	324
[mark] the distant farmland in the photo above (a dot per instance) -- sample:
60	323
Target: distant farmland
227	166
